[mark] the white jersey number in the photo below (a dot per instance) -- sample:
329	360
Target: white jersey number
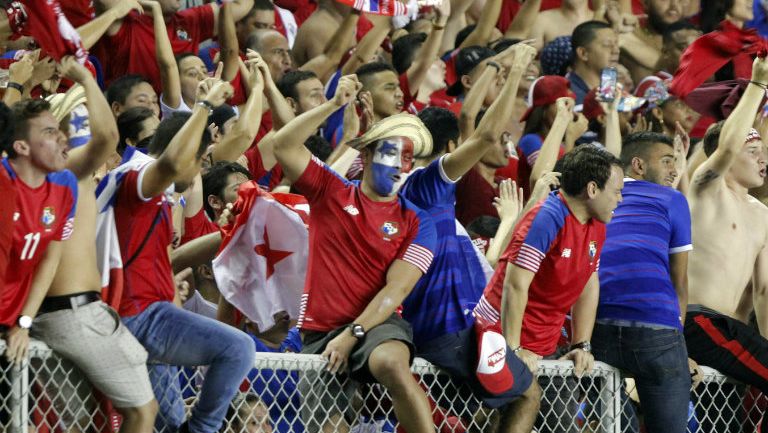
31	240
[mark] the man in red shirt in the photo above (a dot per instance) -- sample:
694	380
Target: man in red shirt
368	247
144	227
8	205
129	46
551	263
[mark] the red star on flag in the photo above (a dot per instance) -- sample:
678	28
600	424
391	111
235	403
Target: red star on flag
273	256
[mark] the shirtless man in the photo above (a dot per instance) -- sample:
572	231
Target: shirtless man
317	30
560	21
105	351
730	232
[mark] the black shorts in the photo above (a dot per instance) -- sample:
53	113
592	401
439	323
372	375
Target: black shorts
728	345
456	354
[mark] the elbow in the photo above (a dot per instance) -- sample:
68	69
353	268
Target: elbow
170	166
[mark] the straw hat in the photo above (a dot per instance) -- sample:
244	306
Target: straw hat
399	125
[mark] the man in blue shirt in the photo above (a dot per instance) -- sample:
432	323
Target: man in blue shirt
643	283
440	306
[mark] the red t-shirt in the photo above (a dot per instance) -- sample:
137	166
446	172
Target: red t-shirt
353	241
132	49
474	198
42	215
78	12
198	226
7	208
563	253
149	278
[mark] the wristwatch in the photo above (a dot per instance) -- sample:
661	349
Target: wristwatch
584	345
357	330
24	322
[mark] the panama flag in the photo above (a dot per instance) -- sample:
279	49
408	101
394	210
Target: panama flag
262	262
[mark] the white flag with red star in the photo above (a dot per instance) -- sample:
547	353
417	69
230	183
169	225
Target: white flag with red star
262	262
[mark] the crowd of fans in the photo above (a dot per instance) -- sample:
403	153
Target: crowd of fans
485	184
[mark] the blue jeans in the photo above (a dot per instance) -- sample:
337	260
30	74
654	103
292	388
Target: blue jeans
177	337
658	359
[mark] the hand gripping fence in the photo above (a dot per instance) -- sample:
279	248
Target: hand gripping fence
291	393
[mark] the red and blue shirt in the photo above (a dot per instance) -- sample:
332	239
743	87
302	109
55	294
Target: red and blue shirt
43	214
353	241
563	254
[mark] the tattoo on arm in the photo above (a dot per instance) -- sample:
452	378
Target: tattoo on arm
706	178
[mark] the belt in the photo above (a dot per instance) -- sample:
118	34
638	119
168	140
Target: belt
56	303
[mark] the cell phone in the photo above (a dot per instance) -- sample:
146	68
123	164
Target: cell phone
608	78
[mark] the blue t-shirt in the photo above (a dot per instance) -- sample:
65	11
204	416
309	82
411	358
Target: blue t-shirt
443	299
650	224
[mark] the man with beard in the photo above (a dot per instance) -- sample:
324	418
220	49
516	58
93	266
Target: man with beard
641	49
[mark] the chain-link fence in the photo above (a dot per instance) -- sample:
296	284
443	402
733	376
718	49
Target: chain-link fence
290	393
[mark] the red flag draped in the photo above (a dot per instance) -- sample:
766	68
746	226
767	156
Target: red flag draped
707	54
52	31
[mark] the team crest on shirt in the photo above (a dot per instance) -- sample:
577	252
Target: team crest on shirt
390	229
592	251
182	34
48	217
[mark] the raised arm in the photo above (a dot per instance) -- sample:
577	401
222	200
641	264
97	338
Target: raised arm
428	52
456	22
612	127
169	70
481	35
182	150
289	142
20	73
240	9
244	131
488	132
230	49
734	132
325	64
91	32
473	102
85	160
282	113
367	46
551	146
521	25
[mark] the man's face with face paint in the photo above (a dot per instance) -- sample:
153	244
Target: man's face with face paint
392	157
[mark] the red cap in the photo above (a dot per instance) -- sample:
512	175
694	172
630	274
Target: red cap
592	108
545	91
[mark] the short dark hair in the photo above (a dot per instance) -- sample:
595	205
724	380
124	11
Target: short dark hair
263	5
181	56
443	125
535	122
463	34
713	12
7	129
119	90
288	82
485	226
319	146
368	70
712	138
639	144
215	180
585	33
586	163
22	112
504	43
129	125
404	49
168	128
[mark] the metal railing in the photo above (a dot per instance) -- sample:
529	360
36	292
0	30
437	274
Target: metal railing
284	393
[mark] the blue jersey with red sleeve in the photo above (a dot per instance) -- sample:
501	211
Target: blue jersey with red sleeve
353	241
442	300
43	214
563	254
